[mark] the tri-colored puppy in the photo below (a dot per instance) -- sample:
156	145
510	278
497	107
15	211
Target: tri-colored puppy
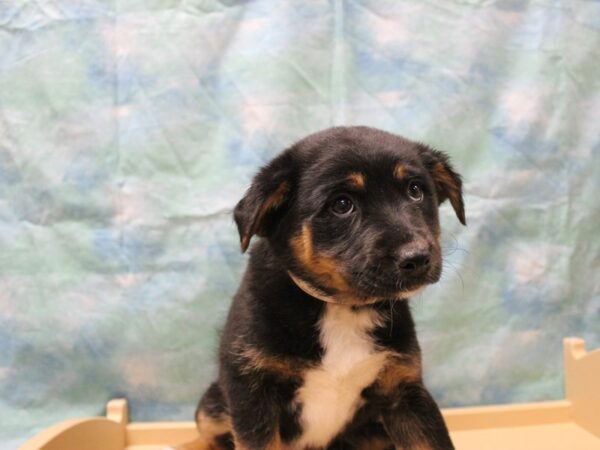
319	350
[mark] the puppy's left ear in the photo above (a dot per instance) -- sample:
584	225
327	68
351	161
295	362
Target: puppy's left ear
258	212
448	183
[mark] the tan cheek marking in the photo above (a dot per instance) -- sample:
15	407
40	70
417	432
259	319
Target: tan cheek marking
326	268
397	371
323	267
399	172
302	246
357	179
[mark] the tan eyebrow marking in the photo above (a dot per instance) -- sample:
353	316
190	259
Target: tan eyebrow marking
399	171
357	179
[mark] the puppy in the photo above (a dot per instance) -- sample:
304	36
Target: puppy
319	349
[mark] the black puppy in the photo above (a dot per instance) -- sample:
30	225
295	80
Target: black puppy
319	350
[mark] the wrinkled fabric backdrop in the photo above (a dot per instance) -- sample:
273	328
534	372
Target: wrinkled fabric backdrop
129	129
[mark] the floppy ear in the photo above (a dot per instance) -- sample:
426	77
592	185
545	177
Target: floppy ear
448	183
258	211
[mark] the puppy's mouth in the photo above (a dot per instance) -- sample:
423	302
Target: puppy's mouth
385	285
368	287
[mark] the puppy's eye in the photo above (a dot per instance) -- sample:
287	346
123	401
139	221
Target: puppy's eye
342	206
415	192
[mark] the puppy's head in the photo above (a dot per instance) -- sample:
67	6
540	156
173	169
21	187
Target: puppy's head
352	213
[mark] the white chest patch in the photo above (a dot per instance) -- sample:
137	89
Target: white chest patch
331	392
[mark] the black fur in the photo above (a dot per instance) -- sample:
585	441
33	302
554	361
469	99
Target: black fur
385	247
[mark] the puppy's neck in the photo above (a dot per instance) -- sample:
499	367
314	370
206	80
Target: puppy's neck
317	293
312	290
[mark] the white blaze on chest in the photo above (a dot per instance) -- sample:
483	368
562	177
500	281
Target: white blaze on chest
331	392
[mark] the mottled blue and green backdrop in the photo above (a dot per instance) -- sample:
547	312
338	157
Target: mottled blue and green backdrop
129	129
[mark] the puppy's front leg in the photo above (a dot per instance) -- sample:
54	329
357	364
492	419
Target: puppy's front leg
254	410
256	426
414	421
273	444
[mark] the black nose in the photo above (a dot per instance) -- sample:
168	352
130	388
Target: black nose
414	261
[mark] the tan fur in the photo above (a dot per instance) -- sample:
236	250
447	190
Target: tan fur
238	445
324	268
327	269
273	201
399	369
258	361
399	172
208	429
441	176
274	444
245	242
423	447
211	426
357	180
376	443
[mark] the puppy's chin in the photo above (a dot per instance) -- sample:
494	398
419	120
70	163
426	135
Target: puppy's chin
403	295
350	298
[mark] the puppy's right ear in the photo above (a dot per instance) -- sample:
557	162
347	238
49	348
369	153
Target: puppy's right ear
259	210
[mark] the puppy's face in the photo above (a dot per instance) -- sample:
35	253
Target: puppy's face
352	214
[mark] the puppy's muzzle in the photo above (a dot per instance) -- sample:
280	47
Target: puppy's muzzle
414	260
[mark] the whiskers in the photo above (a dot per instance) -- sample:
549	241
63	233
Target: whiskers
371	280
448	250
392	303
449	264
446	263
